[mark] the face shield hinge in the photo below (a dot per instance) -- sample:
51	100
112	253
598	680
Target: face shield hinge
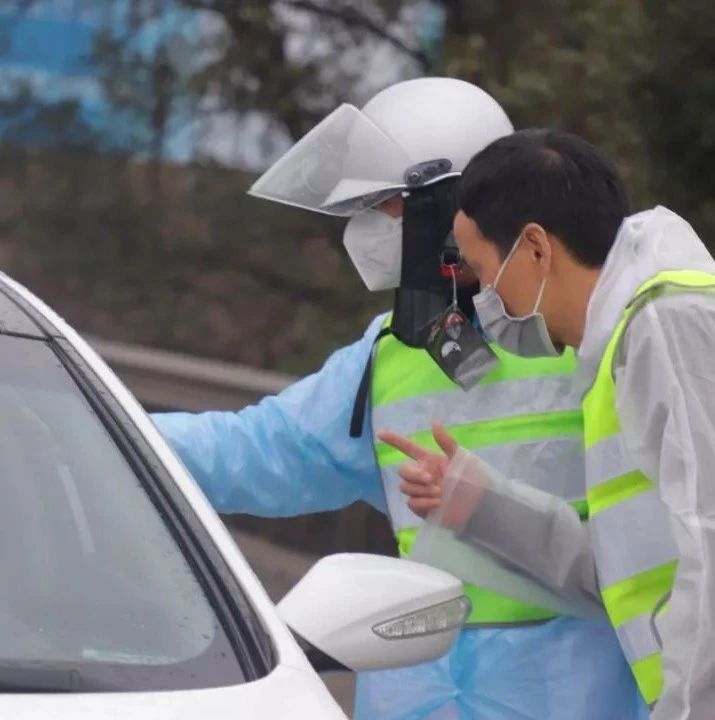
423	173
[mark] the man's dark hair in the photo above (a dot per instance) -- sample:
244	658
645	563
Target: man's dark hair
549	177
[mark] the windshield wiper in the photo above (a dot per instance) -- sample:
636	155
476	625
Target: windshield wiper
38	679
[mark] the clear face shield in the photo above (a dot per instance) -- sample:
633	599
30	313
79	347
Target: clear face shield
343	166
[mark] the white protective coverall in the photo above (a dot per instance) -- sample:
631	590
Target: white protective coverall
665	397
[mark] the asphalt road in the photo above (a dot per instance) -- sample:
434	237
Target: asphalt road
279	569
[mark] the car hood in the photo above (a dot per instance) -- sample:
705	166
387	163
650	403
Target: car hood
286	693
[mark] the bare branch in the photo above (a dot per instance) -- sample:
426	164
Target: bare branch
353	18
348	16
219	6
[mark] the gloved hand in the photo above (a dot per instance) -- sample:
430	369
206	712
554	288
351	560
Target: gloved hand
422	479
436	480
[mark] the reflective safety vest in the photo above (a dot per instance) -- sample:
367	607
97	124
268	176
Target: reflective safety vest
634	550
524	418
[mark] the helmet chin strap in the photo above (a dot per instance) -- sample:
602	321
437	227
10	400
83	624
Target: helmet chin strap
424	291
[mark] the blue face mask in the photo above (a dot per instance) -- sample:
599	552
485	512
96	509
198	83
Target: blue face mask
525	336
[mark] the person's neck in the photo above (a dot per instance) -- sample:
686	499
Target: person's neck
571	319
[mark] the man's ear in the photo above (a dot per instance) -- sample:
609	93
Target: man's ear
538	243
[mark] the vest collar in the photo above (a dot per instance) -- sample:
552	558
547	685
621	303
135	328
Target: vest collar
647	243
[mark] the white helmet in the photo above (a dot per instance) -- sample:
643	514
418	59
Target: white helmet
409	135
353	155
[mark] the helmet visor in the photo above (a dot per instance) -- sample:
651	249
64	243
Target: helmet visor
344	165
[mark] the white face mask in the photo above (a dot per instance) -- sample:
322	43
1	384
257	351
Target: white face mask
373	240
525	336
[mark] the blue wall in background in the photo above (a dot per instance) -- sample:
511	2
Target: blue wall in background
48	50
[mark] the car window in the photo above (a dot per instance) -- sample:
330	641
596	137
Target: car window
93	580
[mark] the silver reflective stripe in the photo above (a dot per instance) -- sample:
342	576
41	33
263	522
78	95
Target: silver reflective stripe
555	466
493	401
631	537
606	460
637	639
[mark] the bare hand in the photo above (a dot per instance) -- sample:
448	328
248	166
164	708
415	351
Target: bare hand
422	479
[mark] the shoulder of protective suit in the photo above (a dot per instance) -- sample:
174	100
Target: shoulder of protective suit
358	352
376	324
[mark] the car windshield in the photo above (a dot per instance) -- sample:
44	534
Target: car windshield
94	584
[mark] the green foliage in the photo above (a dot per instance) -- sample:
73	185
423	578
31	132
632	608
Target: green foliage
674	87
208	271
562	63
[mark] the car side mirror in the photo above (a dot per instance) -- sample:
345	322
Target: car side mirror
370	612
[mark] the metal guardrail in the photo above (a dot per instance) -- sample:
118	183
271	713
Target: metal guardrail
168	380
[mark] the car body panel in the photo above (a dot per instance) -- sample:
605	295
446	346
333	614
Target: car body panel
285	693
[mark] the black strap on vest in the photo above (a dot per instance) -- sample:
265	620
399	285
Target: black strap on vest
357	421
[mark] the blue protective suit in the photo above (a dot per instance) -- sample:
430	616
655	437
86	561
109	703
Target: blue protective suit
292	454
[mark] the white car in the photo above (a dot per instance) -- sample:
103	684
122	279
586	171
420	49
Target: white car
123	596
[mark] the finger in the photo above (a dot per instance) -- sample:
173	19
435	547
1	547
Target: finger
423	506
416	474
415	490
403	444
446	442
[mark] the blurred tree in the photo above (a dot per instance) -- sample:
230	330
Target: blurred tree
561	63
291	60
674	91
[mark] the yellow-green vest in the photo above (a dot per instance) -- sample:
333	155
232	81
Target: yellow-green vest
524	417
634	550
